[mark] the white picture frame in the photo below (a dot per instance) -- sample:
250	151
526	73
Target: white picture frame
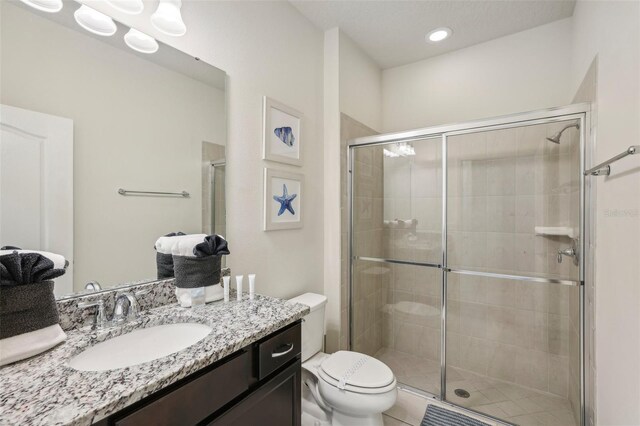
281	140
285	212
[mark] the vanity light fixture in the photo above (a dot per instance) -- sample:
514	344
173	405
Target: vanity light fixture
94	21
438	34
50	6
131	7
167	18
140	42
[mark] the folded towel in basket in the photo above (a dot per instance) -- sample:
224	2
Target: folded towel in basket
213	245
59	262
164	246
27	268
29	321
28	344
167	243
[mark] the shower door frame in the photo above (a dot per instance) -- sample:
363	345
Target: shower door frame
581	112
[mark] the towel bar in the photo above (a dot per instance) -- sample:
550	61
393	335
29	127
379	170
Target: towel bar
604	169
121	191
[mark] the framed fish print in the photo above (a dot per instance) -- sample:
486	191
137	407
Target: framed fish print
281	139
282	200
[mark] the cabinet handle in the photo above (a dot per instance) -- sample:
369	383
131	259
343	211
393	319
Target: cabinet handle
286	351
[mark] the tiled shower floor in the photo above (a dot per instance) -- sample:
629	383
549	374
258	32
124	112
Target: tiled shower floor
506	401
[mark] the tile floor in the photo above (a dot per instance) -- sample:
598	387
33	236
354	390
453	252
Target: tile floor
503	400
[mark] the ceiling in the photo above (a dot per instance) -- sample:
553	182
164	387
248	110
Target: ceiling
393	33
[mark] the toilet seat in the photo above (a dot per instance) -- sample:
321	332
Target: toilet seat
356	372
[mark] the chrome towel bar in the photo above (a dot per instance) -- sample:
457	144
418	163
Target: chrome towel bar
121	191
604	169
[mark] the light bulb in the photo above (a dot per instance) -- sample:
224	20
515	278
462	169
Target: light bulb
50	6
131	7
439	34
94	21
167	18
140	42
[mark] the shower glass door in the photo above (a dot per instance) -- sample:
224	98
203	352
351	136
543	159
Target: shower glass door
466	271
513	203
397	250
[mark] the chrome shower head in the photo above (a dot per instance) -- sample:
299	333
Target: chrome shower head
556	138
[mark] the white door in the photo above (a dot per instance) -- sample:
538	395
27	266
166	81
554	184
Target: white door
36	185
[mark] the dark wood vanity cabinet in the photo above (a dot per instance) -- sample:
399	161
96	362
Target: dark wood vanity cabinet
258	385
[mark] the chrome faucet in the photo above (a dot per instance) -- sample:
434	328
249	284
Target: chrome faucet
125	308
571	252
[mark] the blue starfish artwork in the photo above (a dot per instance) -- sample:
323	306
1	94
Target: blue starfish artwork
285	201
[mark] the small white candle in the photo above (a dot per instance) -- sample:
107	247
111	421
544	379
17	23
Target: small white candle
239	279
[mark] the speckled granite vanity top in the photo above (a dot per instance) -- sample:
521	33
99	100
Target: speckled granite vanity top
44	390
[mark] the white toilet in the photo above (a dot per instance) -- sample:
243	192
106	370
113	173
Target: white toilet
342	389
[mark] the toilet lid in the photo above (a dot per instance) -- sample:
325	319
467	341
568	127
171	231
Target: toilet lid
352	369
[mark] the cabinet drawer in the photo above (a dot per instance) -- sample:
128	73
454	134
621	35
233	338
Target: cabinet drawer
194	401
278	350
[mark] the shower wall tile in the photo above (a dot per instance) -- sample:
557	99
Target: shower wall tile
532	369
501	210
558	379
502	362
501	175
474	354
501	143
370	287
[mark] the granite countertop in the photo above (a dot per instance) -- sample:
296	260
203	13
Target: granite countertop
44	390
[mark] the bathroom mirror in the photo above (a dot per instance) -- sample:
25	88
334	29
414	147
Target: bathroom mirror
104	148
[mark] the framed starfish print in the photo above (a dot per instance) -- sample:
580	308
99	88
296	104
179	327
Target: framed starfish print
281	137
282	200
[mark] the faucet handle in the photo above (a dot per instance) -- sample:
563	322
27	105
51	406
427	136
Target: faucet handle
100	317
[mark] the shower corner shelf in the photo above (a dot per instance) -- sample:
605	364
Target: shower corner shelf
561	231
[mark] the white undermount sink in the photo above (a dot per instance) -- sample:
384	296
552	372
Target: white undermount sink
139	346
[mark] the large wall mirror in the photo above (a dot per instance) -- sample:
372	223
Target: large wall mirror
86	122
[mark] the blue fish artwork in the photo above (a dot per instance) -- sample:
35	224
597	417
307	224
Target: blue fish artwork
285	201
285	134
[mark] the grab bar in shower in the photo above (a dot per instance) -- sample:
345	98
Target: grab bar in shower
604	169
121	191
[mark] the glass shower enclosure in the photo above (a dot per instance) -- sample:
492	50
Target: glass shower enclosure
466	247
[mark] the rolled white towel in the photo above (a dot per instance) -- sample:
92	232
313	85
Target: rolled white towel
184	247
165	244
59	262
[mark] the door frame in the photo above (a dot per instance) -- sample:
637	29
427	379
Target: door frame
55	135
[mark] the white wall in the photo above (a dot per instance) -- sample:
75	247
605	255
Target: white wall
611	30
521	72
353	86
332	195
137	125
360	84
266	48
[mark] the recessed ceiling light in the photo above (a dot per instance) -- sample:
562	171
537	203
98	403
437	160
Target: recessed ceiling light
167	18
51	6
132	7
140	42
94	21
438	34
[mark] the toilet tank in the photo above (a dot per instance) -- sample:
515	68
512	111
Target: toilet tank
313	324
